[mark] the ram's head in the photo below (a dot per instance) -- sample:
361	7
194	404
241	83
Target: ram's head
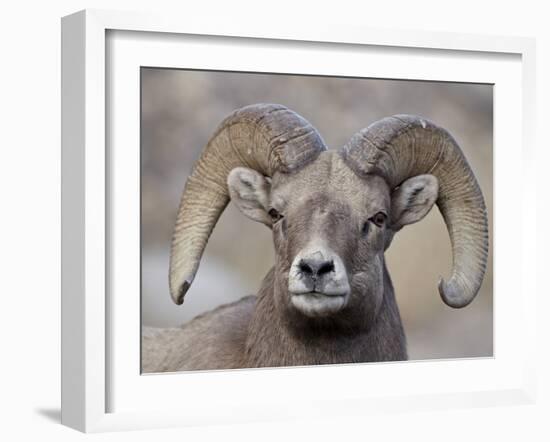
333	213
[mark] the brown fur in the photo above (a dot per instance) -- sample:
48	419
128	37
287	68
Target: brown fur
253	332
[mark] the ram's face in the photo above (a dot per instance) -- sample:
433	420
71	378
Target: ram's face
330	230
329	233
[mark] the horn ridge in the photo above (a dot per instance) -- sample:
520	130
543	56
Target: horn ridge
269	138
403	146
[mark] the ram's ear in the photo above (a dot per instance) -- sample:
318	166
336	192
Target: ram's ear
250	190
412	200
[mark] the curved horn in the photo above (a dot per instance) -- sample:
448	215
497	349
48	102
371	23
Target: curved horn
402	146
264	137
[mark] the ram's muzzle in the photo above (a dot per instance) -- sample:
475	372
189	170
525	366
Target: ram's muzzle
318	283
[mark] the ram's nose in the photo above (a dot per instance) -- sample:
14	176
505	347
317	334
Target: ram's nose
315	266
318	270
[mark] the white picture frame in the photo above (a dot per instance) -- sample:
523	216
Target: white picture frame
90	317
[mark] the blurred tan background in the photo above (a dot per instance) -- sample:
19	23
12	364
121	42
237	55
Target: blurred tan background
181	109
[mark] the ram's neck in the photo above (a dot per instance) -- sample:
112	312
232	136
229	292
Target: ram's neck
277	338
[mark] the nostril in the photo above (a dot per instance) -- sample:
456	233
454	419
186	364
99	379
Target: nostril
326	267
305	268
313	268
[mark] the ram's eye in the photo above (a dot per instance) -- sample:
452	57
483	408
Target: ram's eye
275	216
379	219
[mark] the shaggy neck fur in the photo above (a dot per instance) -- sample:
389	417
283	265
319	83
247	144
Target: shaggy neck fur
277	338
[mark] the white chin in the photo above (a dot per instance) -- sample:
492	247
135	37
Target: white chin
317	305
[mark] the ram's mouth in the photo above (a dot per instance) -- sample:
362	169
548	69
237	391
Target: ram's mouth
318	304
318	295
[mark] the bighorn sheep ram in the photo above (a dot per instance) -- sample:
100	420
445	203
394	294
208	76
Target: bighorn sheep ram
329	298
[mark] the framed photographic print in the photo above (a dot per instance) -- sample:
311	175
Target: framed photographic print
331	205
